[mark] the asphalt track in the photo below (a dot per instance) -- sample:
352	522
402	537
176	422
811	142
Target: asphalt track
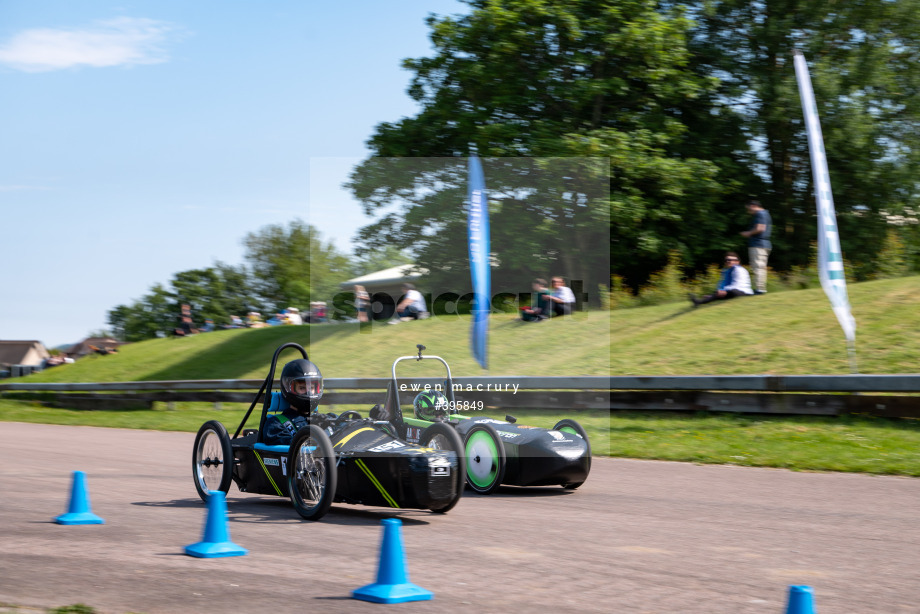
637	537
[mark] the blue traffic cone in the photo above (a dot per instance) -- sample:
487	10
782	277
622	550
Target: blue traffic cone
216	540
801	600
392	584
79	511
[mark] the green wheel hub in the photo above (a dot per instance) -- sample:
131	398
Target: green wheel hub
482	459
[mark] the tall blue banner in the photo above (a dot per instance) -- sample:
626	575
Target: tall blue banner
480	270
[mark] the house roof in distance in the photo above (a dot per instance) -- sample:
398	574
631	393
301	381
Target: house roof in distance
392	275
13	352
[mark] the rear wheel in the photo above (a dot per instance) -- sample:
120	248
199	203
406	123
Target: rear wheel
312	478
485	458
212	459
441	436
567	425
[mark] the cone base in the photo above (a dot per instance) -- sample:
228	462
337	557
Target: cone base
392	593
79	518
212	550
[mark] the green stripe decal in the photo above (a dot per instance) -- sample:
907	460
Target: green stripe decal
373	479
265	469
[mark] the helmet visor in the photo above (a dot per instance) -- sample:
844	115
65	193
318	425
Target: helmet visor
304	387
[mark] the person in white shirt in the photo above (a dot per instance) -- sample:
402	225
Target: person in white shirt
293	316
735	281
562	300
413	303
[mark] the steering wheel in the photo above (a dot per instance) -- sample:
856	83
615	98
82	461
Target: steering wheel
347	416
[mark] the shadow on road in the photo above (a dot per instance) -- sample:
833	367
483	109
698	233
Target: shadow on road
522	492
279	510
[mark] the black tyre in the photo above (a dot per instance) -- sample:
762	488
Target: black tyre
312	478
567	425
485	458
442	436
212	459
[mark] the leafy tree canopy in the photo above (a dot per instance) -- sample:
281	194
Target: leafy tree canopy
694	103
863	60
540	79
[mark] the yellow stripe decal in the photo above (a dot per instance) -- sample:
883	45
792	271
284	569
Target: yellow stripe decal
373	479
264	468
345	440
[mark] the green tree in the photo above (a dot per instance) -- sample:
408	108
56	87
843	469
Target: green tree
155	314
862	58
541	79
292	266
216	293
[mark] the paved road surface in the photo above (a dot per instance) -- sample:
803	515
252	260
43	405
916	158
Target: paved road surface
637	537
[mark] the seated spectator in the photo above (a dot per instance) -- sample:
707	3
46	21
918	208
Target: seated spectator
317	313
562	299
208	325
412	306
540	309
293	316
735	281
254	320
185	327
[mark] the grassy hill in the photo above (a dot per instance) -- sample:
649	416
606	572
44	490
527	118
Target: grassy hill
782	333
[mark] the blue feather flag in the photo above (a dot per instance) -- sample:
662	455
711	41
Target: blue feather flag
480	270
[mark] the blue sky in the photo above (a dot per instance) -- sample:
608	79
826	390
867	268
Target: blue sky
139	139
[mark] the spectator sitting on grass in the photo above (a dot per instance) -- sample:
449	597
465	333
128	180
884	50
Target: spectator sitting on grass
735	281
562	300
413	304
540	310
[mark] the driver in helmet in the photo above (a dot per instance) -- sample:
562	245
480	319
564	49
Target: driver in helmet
301	390
431	405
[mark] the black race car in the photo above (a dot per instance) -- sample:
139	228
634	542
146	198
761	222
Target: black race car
344	458
497	451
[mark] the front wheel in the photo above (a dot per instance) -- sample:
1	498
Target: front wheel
567	425
485	458
212	459
312	478
442	436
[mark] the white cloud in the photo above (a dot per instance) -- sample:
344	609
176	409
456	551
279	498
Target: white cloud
124	41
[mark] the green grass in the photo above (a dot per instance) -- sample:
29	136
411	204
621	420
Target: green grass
784	333
816	443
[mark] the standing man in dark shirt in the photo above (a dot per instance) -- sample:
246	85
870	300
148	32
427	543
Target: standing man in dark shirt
759	246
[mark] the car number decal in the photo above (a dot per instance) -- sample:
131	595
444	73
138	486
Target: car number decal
390	445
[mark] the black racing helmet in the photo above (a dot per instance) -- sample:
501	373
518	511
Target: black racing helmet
302	385
430	405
